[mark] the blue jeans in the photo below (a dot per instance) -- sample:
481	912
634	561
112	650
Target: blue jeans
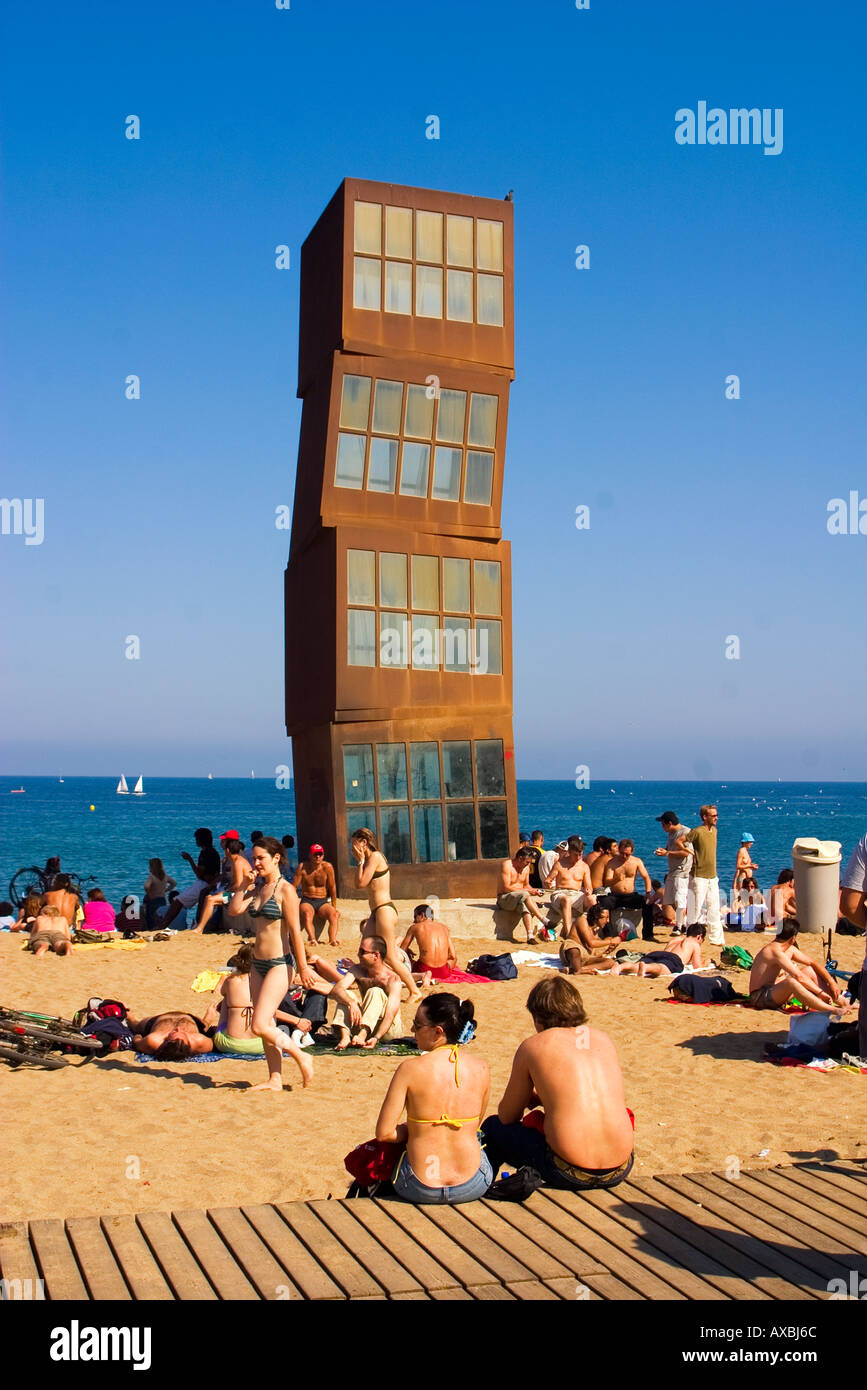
526	1147
409	1189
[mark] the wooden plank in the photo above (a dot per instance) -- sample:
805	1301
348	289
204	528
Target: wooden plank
384	1222
844	1181
56	1261
447	1252
763	1266
96	1261
532	1291
172	1254
504	1268
764	1226
453	1295
313	1281
814	1229
817	1198
418	1297
600	1251
346	1271
490	1220
568	1290
270	1280
638	1246
134	1257
377	1259
611	1289
685	1242
16	1256
815	1181
530	1225
219	1264
493	1293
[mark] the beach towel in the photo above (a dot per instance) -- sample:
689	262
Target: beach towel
445	976
207	980
824	1065
534	958
395	1049
103	946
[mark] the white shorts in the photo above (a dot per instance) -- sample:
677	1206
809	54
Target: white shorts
675	891
575	895
188	897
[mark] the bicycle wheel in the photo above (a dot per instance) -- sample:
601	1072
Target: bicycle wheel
23	883
64	1039
31	1057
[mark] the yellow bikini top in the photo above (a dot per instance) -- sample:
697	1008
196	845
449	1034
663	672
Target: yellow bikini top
447	1119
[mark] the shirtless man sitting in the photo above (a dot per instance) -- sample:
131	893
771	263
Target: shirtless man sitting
587	935
586	1138
60	895
780	972
380	990
435	948
172	1036
681	952
50	932
514	893
781	898
317	890
599	858
573	891
619	878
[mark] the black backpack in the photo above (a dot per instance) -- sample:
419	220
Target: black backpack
698	989
494	967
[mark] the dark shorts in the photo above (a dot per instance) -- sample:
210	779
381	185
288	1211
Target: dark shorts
522	1146
763	998
669	959
316	903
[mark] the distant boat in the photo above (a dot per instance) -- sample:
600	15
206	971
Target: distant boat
210	776
252	774
138	789
60	779
15	791
122	789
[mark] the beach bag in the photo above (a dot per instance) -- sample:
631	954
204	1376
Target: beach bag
494	967
696	989
373	1162
737	957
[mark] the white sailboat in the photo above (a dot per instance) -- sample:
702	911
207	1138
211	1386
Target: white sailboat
252	774
138	789
122	789
210	776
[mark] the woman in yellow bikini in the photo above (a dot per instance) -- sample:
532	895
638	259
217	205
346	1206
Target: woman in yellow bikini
445	1094
373	874
272	907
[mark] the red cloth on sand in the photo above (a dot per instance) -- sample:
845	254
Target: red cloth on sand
452	977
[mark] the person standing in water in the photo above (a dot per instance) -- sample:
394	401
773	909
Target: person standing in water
373	874
272	907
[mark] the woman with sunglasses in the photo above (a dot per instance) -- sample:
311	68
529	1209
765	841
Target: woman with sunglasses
445	1094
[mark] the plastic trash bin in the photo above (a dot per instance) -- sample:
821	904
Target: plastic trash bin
817	883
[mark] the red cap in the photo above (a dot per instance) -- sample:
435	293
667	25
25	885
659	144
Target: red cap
316	849
230	835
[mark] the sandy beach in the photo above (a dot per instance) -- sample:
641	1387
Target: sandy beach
116	1136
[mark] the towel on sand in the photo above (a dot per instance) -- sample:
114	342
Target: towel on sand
207	980
396	1049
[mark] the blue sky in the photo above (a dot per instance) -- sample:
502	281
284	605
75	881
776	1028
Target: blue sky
156	257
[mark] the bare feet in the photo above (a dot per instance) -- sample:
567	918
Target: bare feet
342	1045
360	1039
305	1066
274	1083
425	980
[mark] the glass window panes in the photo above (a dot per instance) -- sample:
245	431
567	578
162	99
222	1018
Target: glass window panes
456	644
488	650
387	405
393	638
382	470
428	827
358	773
428	292
479	482
461	833
447	474
429	236
451	416
398	288
364	819
487	597
361	637
367	285
361	576
458	769
419	413
425	642
493	829
391	770
483	421
490	291
456	585
368	228
490	240
425	767
350	460
459	306
398	232
490	768
394	834
355	403
426	582
414	470
459	239
392	580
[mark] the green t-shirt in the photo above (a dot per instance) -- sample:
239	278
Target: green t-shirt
703	838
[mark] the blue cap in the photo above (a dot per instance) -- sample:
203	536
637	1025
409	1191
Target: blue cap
747	839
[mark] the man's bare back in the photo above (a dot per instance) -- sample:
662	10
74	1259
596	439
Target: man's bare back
577	1077
434	944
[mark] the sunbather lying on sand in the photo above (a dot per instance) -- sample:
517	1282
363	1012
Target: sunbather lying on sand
681	952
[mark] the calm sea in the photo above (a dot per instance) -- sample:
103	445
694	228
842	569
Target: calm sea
116	839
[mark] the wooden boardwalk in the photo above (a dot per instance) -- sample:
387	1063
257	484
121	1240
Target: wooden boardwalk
779	1233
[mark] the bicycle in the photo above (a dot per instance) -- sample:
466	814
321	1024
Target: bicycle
30	1039
26	882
